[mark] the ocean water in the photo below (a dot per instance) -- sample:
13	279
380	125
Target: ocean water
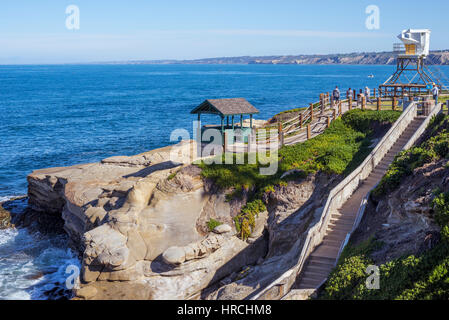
32	265
63	115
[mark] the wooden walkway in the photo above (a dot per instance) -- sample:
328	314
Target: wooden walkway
318	125
323	258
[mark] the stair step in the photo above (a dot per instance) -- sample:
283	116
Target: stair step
322	262
335	238
308	284
339	215
342	218
337	233
320	276
326	251
320	268
336	222
332	242
342	229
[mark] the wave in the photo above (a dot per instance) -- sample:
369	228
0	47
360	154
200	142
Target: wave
33	266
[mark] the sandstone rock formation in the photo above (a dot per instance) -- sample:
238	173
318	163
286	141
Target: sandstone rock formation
402	221
123	213
140	224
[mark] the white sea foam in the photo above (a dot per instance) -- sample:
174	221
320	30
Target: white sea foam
32	264
3	199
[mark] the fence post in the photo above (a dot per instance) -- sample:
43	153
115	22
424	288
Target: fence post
363	103
322	100
354	94
379	103
394	103
281	136
311	112
334	112
339	107
350	104
279	129
328	121
309	133
374	93
300	120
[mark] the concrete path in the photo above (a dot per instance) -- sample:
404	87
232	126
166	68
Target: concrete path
323	259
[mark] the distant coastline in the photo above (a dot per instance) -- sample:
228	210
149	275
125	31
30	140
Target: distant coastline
440	57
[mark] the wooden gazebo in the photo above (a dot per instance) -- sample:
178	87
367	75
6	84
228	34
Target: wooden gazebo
227	108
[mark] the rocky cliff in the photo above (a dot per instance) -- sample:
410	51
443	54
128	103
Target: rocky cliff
374	58
140	225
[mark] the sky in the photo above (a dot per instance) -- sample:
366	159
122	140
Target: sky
33	32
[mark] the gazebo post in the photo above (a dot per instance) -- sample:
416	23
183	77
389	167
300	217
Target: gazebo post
222	127
232	117
227	121
251	121
241	121
199	127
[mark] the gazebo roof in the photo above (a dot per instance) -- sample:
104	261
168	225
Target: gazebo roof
225	107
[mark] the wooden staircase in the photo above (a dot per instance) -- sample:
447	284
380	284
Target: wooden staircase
322	260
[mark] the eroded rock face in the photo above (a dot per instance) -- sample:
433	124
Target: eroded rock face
125	212
292	210
141	225
403	220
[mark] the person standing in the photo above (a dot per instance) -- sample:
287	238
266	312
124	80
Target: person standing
349	93
336	94
368	94
435	92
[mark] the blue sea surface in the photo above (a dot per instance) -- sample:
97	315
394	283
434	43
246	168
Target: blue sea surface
60	115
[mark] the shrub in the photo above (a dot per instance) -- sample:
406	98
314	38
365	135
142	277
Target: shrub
212	224
246	220
440	205
362	120
403	165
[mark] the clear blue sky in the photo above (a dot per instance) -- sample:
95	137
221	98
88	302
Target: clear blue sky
34	31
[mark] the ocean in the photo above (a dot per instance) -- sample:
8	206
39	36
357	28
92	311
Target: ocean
60	115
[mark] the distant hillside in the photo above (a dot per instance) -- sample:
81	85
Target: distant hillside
380	58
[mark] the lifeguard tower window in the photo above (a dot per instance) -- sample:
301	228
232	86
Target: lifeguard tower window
410	49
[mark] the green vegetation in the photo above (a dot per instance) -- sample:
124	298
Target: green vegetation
338	150
361	120
405	278
436	147
246	220
408	277
212	224
172	175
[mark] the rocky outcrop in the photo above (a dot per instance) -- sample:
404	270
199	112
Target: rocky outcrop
403	220
378	58
136	220
140	224
292	210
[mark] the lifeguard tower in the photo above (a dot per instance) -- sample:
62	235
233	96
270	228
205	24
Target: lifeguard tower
412	75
